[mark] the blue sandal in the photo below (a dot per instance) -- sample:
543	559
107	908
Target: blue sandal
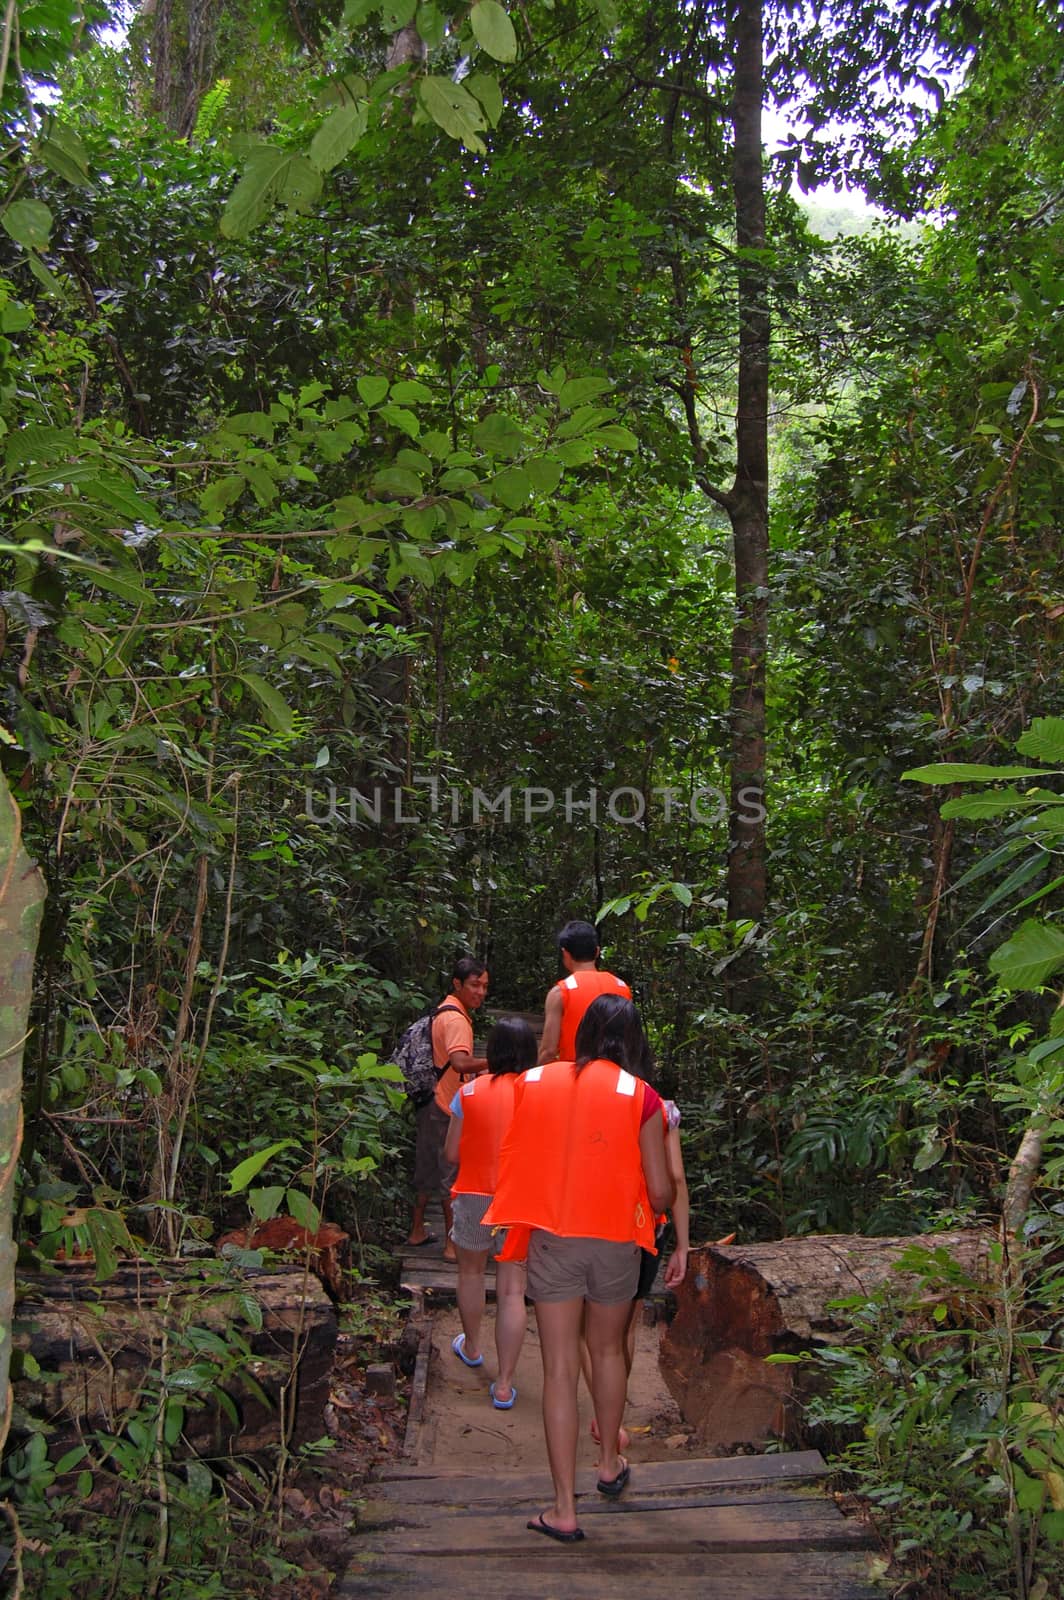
458	1346
503	1405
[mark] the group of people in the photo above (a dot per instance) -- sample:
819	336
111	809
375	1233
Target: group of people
564	1160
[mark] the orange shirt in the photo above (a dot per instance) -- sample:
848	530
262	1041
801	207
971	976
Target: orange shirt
577	992
451	1030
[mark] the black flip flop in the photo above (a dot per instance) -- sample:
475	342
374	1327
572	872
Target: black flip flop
430	1238
542	1526
612	1487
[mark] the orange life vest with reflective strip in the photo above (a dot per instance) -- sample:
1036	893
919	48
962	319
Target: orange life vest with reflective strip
571	1162
577	992
487	1106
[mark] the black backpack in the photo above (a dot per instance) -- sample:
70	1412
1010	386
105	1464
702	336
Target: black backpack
413	1056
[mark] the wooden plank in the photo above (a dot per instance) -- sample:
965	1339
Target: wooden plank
582	1572
419	1384
762	1501
788	1467
808	1525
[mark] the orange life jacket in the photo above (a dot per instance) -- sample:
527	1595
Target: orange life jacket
487	1106
577	992
571	1162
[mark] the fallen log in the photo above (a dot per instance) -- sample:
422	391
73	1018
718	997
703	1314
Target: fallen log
327	1252
741	1303
105	1348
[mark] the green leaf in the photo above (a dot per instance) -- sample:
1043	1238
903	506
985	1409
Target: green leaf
249	204
682	893
968	772
408	392
303	1209
337	136
265	1203
454	109
487	91
397	481
278	712
493	30
995	804
578	391
1030	958
63	151
242	1174
372	390
513	487
431	24
395	14
29	223
1044	740
614	437
500	435
545	473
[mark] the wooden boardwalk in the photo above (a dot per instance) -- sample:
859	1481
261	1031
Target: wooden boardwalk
742	1528
734	1528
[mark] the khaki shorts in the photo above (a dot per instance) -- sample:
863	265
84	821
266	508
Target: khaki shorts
469	1233
599	1270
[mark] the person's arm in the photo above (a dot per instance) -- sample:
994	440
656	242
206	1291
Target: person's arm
661	1186
552	1026
453	1141
676	1266
465	1064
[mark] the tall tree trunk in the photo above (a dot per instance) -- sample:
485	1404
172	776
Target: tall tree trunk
21	902
748	500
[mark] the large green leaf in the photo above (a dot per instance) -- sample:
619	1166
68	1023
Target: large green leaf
337	136
63	151
29	223
1044	740
493	30
278	712
968	772
249	204
995	804
454	109
1031	957
242	1174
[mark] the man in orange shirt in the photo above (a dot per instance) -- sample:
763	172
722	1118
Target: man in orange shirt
570	998
452	1053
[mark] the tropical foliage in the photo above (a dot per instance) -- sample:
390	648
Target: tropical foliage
451	483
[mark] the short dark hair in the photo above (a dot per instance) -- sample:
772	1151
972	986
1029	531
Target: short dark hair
611	1029
467	967
510	1046
580	939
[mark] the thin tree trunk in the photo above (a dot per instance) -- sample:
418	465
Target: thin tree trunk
748	501
21	902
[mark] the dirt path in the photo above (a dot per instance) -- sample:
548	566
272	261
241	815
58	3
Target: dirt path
462	1432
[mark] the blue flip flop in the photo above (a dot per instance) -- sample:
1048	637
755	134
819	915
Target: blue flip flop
503	1405
458	1346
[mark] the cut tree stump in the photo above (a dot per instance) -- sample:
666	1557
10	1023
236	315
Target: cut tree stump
96	1342
741	1303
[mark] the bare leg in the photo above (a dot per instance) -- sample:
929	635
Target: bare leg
418	1230
559	1342
471	1264
606	1327
623	1436
448	1224
511	1320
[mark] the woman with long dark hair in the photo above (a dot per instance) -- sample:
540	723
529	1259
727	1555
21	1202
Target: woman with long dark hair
584	1167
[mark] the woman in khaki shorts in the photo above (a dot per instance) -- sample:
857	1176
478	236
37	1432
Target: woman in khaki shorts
584	1168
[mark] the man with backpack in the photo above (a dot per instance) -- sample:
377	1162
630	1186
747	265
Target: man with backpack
451	1033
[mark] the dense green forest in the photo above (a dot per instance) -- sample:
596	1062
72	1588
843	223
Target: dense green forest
455	479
